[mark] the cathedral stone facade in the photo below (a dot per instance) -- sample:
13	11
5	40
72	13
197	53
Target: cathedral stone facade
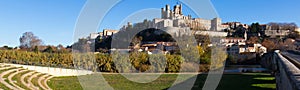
176	18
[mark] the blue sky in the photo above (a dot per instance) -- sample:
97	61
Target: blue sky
53	21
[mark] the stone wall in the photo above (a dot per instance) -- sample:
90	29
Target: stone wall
54	71
286	72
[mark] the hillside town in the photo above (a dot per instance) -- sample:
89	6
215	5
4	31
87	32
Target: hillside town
252	45
242	41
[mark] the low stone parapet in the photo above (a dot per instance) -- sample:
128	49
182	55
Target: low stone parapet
54	71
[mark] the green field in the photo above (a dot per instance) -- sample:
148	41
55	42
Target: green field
253	81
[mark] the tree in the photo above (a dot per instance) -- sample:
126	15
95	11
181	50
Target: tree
6	48
255	28
239	31
61	49
49	49
36	49
219	58
287	44
28	40
83	45
254	40
270	45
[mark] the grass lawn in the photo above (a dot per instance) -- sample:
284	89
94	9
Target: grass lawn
64	83
35	80
17	78
253	81
2	86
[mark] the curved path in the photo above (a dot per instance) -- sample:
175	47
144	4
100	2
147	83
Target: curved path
23	79
8	72
4	82
6	67
45	82
43	85
1	65
31	85
12	82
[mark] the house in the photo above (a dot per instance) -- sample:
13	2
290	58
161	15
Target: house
122	51
157	47
228	42
277	33
232	40
298	30
248	48
109	32
233	25
212	33
106	33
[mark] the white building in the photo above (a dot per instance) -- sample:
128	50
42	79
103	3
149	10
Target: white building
212	33
95	35
105	33
298	30
228	42
275	33
250	48
109	32
175	18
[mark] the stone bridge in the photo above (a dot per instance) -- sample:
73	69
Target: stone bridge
285	67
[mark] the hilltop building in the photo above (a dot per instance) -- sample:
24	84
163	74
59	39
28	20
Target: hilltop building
175	18
104	34
175	23
298	30
277	33
234	25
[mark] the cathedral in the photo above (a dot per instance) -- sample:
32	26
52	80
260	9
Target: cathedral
167	13
175	18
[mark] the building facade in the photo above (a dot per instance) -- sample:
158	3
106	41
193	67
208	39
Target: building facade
176	18
104	34
277	33
298	30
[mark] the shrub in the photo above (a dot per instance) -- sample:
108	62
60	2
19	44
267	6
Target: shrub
99	62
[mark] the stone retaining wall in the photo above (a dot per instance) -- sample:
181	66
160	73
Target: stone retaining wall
54	71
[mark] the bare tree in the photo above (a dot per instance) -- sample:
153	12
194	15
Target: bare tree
28	40
254	40
269	44
83	45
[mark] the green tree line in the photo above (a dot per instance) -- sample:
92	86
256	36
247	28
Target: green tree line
91	61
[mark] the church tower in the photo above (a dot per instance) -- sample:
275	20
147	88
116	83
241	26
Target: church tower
245	35
180	7
163	11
